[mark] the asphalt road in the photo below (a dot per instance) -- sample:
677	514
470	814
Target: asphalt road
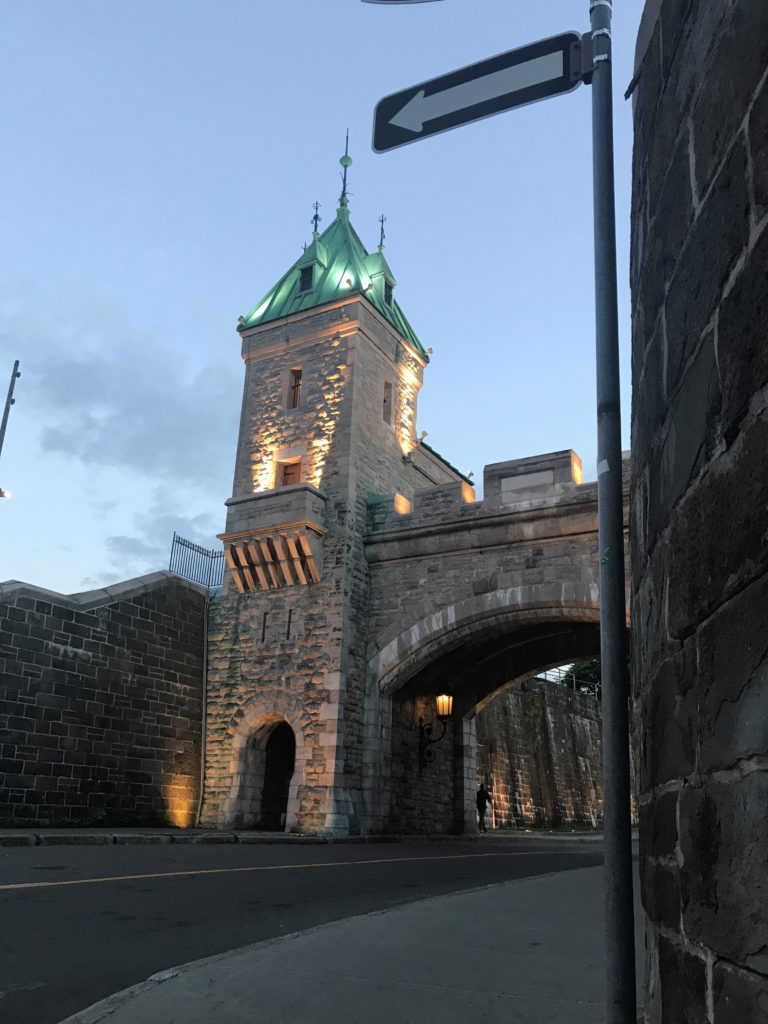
97	919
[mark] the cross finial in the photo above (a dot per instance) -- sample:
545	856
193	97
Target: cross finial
317	218
346	161
382	220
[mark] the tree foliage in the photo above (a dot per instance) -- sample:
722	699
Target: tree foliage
587	674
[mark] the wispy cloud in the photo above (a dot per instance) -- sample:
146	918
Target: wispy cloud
147	547
119	398
116	399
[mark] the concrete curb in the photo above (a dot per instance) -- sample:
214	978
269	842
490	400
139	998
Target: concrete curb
65	837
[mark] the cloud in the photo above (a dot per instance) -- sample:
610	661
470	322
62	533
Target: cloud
103	508
144	413
116	396
147	548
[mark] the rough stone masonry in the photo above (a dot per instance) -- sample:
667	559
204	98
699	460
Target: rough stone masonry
364	576
700	520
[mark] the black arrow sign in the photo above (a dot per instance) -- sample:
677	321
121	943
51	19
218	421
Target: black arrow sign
530	73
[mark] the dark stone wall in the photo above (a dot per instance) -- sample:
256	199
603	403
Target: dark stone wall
539	753
699	538
100	704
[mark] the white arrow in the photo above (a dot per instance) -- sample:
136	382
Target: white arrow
421	108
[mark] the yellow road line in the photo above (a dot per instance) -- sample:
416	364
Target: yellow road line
261	867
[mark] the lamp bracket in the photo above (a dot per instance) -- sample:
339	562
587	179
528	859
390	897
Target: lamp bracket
426	754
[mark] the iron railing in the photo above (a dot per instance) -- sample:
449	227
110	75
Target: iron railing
196	563
562	677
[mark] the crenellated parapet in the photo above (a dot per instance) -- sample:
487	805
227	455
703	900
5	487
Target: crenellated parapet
520	487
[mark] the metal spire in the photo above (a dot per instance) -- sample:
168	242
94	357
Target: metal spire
382	220
346	161
317	218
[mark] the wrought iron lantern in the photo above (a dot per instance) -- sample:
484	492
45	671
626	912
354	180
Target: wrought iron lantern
444	710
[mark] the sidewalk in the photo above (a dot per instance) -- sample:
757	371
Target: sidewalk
523	952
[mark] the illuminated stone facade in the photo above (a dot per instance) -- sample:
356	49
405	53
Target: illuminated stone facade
364	576
298	650
362	579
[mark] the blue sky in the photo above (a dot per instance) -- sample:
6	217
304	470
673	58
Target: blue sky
161	161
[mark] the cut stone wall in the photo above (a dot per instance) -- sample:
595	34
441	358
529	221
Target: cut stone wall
100	703
539	754
700	520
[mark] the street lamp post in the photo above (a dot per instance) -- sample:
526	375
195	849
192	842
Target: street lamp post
15	374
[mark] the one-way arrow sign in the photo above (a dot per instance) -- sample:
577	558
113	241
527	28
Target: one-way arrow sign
512	79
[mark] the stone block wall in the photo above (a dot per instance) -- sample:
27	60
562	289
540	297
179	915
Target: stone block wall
699	513
100	703
539	753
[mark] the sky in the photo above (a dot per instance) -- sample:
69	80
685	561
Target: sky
161	159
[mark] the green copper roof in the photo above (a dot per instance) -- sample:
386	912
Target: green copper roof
341	266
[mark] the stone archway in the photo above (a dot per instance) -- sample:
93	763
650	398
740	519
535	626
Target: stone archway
405	650
278	765
490	641
267	768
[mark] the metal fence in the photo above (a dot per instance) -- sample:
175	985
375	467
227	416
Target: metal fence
562	677
196	563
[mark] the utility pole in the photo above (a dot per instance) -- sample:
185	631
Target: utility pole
542	69
9	402
619	910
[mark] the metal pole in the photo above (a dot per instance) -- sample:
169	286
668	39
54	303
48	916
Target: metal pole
9	402
619	926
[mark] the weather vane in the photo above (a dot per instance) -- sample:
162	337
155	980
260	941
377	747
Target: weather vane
382	220
317	218
346	161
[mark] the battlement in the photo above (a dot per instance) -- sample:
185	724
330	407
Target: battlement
516	485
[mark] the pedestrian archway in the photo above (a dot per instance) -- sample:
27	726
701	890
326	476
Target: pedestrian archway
279	762
266	770
478	648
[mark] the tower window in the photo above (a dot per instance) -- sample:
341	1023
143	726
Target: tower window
387	408
388	293
294	389
305	279
290	473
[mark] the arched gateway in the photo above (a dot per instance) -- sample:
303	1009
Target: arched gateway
363	574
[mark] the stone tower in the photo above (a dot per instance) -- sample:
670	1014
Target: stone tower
332	376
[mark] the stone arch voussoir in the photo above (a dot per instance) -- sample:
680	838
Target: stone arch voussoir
259	715
403	651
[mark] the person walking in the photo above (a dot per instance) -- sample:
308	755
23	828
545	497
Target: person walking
483	799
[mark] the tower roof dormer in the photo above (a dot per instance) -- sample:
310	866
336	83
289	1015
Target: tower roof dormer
334	266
